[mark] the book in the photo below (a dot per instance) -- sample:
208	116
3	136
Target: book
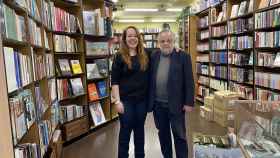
92	71
64	67
264	4
102	65
89	22
63	89
276	62
10	23
10	67
19	117
92	92
76	67
97	113
242	8
97	48
273	2
70	112
220	17
102	89
251	6
30	112
234	11
77	86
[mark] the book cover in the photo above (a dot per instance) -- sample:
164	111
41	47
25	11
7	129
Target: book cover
89	22
92	71
251	6
97	113
102	89
276	62
77	86
92	92
234	11
64	67
10	69
28	103
273	2
20	122
103	66
220	16
76	67
97	48
264	4
10	23
242	8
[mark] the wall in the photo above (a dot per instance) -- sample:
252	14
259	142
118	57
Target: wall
122	26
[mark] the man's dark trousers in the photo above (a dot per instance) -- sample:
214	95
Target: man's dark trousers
164	120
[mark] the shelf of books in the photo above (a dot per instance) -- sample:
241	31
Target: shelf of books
150	38
28	58
202	58
45	58
218	47
238	48
97	60
267	42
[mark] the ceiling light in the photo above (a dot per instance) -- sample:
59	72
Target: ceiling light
140	10
163	20
115	1
131	20
174	9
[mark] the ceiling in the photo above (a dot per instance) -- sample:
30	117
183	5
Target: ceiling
160	4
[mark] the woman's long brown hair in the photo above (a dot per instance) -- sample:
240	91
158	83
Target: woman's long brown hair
124	50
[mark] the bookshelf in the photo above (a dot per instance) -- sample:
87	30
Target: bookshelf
150	40
26	52
202	58
44	59
248	52
98	55
188	39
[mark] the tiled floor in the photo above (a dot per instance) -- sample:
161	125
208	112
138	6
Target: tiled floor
103	142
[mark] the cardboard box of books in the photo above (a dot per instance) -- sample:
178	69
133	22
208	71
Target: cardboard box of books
222	99
209	102
224	118
206	113
75	128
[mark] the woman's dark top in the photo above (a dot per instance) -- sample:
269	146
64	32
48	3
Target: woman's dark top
133	83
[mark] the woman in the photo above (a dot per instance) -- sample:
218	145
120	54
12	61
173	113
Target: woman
129	90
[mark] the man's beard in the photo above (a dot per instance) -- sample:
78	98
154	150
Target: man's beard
166	51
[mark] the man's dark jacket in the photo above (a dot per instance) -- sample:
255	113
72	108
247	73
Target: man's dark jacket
180	84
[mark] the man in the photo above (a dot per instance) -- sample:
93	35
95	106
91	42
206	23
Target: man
171	94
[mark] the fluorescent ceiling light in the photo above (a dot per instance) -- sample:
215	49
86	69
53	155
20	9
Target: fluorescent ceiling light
174	9
131	20
163	20
115	1
140	10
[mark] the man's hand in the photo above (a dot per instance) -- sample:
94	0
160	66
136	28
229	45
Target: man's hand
187	108
178	50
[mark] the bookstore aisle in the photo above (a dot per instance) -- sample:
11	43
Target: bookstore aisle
103	143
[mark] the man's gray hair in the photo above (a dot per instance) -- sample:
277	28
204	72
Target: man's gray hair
167	31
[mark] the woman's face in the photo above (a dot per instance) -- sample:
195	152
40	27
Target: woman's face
131	38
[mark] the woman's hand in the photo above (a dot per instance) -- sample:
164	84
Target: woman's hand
119	107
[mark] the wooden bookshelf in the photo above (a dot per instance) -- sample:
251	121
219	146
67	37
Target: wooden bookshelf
39	48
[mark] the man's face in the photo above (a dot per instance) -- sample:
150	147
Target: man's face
166	42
